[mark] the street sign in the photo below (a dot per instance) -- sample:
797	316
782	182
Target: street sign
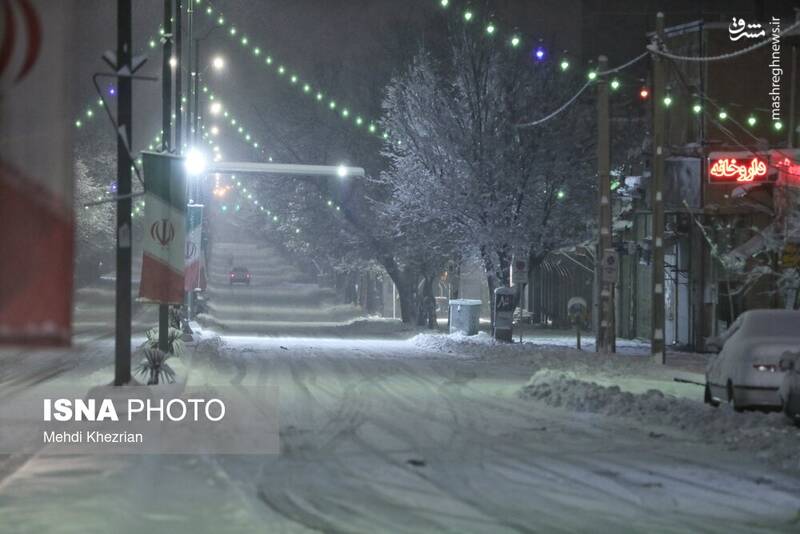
609	266
519	271
791	256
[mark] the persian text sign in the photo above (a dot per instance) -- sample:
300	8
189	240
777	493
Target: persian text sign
164	244
737	170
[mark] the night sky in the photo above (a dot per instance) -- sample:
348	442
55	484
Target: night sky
351	48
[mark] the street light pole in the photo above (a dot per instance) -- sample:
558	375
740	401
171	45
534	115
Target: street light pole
190	74
178	76
166	145
122	340
196	118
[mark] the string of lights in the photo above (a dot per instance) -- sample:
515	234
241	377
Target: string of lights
263	58
539	53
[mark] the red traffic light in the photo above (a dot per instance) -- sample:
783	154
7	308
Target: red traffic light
644	92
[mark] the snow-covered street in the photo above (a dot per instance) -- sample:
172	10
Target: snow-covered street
418	435
383	429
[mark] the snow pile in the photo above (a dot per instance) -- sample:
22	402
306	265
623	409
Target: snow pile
210	345
771	436
450	343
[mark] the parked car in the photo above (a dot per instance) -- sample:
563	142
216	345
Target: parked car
747	372
789	391
239	275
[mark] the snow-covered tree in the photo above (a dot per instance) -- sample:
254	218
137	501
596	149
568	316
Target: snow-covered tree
94	232
462	168
751	253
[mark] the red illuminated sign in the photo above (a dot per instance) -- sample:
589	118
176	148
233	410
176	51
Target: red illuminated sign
789	171
737	170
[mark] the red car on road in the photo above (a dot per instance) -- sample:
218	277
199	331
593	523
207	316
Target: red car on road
239	275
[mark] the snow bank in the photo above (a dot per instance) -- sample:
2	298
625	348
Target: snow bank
451	342
771	437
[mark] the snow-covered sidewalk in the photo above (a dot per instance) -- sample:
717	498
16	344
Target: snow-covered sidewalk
630	385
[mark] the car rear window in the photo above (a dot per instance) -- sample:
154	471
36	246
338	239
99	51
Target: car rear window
239	270
780	323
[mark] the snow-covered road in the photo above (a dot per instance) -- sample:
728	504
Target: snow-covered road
382	433
383	436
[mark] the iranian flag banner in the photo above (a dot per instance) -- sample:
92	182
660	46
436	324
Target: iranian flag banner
164	241
194	252
37	74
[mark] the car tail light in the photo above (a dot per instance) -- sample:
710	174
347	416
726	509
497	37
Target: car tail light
248	275
232	275
765	367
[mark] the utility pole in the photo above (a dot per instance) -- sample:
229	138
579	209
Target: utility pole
793	89
189	74
166	145
122	341
179	76
606	334
196	118
657	349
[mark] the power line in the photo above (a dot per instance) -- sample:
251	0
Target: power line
569	102
653	47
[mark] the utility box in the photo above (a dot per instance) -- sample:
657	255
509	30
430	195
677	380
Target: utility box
465	315
505	300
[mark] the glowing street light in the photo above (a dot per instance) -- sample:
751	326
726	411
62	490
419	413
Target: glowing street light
215	108
195	162
218	63
214	130
173	62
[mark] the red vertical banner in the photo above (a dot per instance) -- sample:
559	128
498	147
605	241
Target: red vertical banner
36	214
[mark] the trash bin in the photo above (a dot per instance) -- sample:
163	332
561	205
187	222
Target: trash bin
465	316
505	301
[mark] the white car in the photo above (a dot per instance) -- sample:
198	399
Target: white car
747	371
789	391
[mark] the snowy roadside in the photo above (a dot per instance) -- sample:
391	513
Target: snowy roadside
770	437
632	388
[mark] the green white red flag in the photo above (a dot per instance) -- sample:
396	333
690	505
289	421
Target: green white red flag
164	243
194	246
